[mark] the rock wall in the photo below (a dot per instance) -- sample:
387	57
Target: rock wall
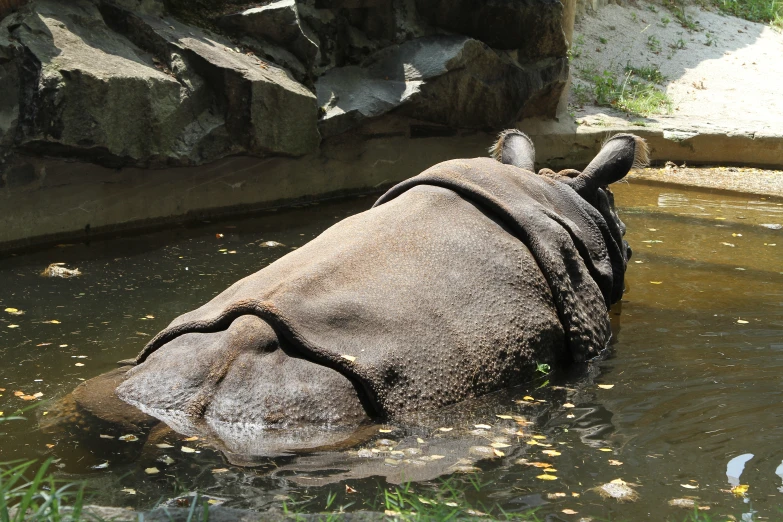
162	84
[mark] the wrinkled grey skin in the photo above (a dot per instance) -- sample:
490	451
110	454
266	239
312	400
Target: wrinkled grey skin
371	321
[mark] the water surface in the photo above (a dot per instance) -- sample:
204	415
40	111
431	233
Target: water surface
695	368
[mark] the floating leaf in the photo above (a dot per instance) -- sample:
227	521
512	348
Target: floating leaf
37	395
613	462
482	426
740	321
499	453
186	449
532	442
349	489
539	437
384	431
13	326
528	398
164	446
500	445
129	438
727	244
505	417
570	416
740	490
19	393
151	471
568	405
349	358
656	282
689	486
420	440
166	460
608	450
14	311
552	496
569	511
129	491
191	439
219	470
550	470
437	457
79	364
606	386
52	321
445	429
106	436
101	466
546	476
551	453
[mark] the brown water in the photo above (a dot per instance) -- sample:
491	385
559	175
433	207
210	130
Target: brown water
696	369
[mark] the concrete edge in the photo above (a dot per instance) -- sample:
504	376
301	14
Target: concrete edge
566	145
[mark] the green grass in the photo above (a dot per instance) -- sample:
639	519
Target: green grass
631	95
649	73
763	11
408	503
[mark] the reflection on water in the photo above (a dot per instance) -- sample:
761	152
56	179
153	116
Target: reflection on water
695	368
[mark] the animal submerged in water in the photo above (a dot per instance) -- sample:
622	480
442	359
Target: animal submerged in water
453	285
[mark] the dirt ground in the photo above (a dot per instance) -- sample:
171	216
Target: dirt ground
724	74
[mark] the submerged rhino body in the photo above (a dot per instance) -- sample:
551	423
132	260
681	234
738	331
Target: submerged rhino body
455	284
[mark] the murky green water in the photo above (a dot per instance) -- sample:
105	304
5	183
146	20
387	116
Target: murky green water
696	371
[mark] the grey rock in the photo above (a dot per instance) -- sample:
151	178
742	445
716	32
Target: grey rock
450	80
535	27
277	23
122	88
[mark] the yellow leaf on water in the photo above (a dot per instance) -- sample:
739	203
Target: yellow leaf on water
106	436
420	440
506	417
740	321
482	426
349	358
606	386
219	470
53	321
546	476
79	364
720	218
129	438
499	453
740	490
191	439
569	511
539	437
151	471
608	450
528	398
13	326
14	311
37	395
384	431
500	445
129	491
163	445
532	442
550	470
656	282
445	429
689	486
613	462
186	449
568	405
551	453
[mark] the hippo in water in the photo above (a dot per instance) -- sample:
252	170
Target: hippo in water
453	285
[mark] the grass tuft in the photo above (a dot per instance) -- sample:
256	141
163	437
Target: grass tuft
763	11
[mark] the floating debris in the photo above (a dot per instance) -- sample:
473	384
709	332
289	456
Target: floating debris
619	490
60	270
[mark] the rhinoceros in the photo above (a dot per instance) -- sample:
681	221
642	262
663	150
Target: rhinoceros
456	283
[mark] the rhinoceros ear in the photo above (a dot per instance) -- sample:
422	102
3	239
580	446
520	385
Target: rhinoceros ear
513	147
619	154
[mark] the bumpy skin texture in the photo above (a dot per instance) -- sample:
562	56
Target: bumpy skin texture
450	287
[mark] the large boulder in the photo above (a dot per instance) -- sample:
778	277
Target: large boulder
534	27
450	80
278	23
81	89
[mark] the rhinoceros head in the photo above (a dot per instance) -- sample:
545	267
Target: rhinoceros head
618	155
